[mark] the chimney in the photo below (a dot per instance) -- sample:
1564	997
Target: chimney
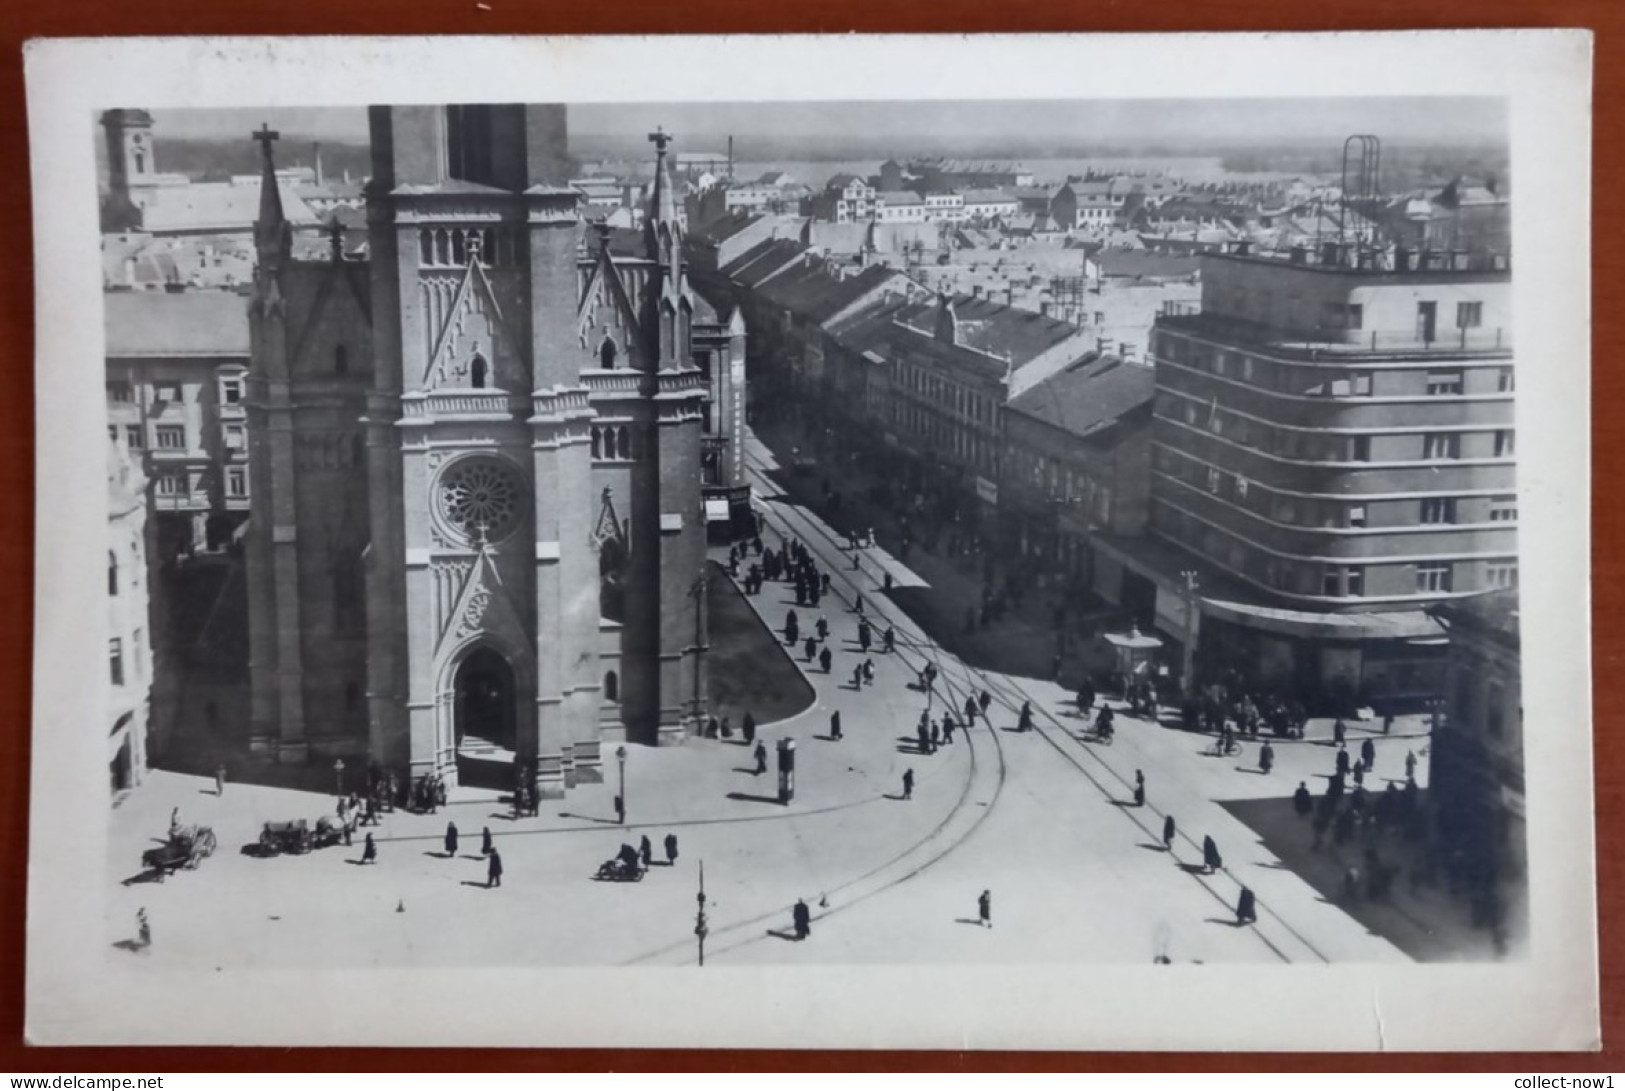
976	291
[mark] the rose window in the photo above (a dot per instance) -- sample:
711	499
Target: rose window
481	498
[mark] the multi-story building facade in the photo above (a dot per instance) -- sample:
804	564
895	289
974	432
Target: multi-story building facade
478	531
177	363
129	632
1334	441
955	363
1475	760
1077	459
901	206
989	204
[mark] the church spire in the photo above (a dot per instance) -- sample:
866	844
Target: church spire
272	236
662	200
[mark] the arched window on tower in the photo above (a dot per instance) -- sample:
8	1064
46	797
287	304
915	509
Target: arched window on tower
477	369
624	442
442	243
426	247
140	163
612	686
611	569
597	444
341	360
606	354
112	573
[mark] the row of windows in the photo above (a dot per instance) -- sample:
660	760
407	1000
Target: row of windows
172	437
179	483
1311	512
1061	481
1317	446
121	392
618	443
1313	578
961	400
1317	380
945	437
448	247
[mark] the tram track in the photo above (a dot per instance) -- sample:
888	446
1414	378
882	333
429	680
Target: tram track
1010	696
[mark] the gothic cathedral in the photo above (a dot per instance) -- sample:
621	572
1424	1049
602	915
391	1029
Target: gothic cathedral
478	537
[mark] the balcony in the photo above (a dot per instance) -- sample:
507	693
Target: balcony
462	403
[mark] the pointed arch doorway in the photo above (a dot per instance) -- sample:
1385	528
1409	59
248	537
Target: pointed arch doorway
484	705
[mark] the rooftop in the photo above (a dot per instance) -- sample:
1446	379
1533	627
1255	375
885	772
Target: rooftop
217	206
203	323
1089	396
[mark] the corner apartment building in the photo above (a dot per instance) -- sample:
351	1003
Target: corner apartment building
176	367
1333	452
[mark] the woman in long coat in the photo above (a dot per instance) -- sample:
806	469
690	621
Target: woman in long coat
451	839
1210	855
485	841
1168	833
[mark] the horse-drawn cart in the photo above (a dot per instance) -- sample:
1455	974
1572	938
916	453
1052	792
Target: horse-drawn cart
279	837
185	848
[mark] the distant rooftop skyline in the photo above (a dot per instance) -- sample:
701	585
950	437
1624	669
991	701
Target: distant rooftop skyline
706	126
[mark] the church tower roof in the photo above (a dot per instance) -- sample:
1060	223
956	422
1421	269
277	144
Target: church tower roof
273	237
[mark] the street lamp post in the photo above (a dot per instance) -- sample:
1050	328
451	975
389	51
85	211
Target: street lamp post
1188	667
338	775
700	928
620	760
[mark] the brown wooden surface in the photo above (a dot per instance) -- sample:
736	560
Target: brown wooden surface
22	19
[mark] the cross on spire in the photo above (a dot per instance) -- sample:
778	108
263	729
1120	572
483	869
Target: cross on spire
660	138
265	135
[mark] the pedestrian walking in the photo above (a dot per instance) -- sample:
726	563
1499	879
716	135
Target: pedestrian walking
857	676
1246	908
823	628
811	648
860	605
864	638
748	728
984	908
1266	757
1359	776
451	839
493	870
1410	765
1301	800
835	725
347	828
486	848
369	851
868	672
143	929
948	727
1339	731
936	734
970	711
824	660
1387	723
1368	754
761	758
908	784
1025	721
802	917
1139	788
985	700
220	779
1211	860
922	734
646	851
1342	762
1168	832
671	850
890	640
620	811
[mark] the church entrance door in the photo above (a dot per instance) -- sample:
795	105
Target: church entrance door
485	701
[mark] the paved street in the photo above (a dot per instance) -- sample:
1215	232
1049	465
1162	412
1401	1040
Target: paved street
1038	818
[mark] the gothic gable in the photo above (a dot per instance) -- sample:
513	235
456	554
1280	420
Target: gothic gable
474	346
607	310
483	608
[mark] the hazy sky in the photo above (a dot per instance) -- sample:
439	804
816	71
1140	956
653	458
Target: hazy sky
1399	120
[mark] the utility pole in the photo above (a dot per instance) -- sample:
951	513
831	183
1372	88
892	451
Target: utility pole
1188	675
700	929
699	592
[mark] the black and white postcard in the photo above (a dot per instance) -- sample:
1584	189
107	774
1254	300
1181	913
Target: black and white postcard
1050	542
